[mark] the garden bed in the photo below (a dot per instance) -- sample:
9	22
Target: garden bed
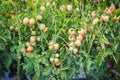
60	39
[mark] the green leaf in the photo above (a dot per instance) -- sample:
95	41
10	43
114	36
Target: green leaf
104	40
2	45
36	69
19	48
65	68
116	47
6	60
63	75
45	62
103	46
89	63
32	55
106	53
46	71
98	61
19	56
28	66
12	49
2	38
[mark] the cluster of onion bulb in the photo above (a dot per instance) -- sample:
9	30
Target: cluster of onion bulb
33	38
55	60
105	17
53	46
31	43
75	39
64	8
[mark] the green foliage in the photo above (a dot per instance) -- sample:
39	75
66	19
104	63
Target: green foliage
5	59
92	58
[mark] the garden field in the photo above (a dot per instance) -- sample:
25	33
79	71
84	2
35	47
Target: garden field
59	39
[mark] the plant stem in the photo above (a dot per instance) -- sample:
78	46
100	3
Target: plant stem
85	72
18	69
18	62
56	72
